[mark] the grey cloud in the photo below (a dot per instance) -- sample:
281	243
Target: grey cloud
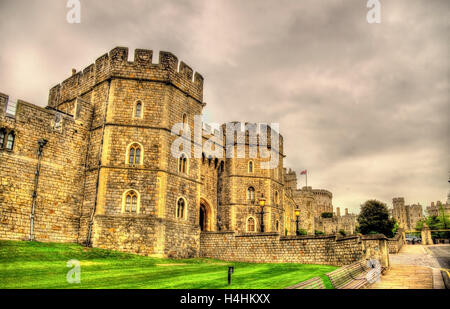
363	107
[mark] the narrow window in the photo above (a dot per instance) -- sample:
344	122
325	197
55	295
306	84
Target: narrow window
138	109
182	164
251	194
277	226
128	205
276	199
180	208
2	137
10	141
250	225
131	202
134	154
184	119
131	155
250	166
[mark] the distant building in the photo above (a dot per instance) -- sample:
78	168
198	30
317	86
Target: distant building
407	216
436	209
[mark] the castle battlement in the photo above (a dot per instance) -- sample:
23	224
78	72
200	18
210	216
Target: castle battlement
250	134
323	192
115	64
398	200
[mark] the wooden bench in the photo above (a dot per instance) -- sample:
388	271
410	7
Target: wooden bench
313	283
353	276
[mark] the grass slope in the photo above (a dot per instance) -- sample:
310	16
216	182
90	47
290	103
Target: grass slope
43	265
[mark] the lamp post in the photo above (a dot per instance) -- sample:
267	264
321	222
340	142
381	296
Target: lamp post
262	202
297	215
41	143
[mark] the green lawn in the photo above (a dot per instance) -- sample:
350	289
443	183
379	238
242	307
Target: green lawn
43	265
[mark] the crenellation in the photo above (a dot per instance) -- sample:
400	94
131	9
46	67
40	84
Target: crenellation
143	57
116	64
186	71
3	103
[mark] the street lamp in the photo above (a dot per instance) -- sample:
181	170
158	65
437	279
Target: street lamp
297	215
262	202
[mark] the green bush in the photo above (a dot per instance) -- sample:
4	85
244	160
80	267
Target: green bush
327	215
318	233
302	232
342	232
394	230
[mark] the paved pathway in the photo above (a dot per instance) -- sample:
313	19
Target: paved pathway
412	268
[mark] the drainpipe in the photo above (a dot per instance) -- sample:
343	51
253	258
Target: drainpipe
42	142
91	220
219	190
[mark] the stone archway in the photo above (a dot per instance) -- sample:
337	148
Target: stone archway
204	216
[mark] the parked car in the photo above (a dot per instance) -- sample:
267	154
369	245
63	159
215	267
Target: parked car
413	240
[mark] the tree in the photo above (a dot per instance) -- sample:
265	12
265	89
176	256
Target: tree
374	217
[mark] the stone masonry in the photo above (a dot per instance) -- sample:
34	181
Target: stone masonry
106	176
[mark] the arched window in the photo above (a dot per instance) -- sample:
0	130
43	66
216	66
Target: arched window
181	208
184	119
251	226
10	141
131	202
276	198
2	137
251	194
138	109
134	154
250	166
277	226
182	164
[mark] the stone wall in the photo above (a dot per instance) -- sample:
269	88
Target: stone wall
271	248
146	235
395	243
59	192
376	247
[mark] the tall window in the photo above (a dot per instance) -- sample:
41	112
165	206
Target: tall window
277	226
182	164
250	224
10	141
134	155
131	202
2	137
250	166
181	207
276	198
251	194
184	119
138	110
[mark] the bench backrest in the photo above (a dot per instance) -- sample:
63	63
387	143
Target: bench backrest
313	283
355	269
339	277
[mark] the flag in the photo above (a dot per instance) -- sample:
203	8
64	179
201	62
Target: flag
303	172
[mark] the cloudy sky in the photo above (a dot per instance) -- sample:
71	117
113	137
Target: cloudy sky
364	107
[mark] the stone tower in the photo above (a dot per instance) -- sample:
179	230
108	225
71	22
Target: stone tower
246	181
135	105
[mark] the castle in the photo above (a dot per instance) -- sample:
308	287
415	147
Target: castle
407	216
95	166
439	208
